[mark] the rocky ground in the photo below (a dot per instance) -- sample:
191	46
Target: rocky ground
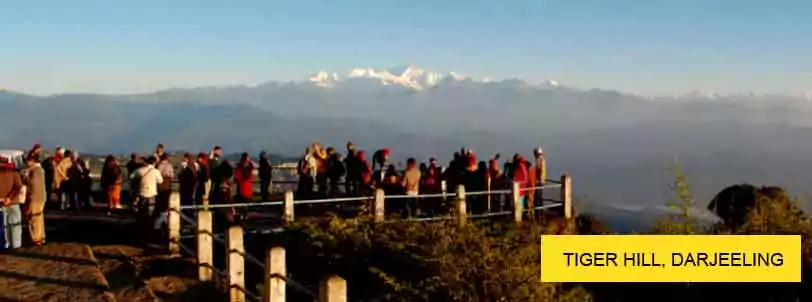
94	257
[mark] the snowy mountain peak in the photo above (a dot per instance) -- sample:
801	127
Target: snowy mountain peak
411	77
402	75
324	79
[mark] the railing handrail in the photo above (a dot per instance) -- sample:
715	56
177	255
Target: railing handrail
361	198
235	244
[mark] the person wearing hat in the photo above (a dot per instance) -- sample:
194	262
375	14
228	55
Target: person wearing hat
11	185
379	162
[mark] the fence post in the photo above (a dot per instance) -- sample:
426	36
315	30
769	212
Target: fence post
462	212
206	193
205	248
444	187
518	208
489	194
287	215
380	205
566	195
173	221
333	289
275	275
235	264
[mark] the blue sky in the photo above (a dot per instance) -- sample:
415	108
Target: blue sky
644	46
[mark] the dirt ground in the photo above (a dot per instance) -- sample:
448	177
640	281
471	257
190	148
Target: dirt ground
55	272
95	257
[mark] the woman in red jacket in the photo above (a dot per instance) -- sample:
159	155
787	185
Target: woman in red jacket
520	176
244	179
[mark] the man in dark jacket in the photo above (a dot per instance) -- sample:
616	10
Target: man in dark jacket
352	165
335	170
215	158
204	179
188	179
265	175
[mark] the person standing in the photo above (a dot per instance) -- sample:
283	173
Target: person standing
111	181
10	187
76	179
85	191
306	170
320	155
148	179
365	184
541	172
380	160
48	166
36	152
165	187
244	179
265	175
411	184
188	179
132	165
159	151
215	159
35	183
204	179
353	178
520	176
335	171
62	180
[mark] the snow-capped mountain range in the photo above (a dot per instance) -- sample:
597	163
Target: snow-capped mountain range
404	75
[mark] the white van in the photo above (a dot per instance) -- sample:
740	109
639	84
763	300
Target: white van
16	156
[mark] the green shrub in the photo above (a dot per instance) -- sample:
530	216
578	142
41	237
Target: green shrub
436	261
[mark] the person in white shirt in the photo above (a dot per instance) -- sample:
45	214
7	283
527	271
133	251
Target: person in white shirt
148	180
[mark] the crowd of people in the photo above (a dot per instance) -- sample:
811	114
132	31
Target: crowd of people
320	171
63	180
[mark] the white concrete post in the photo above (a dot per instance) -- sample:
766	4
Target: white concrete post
287	216
206	194
490	198
380	205
518	209
173	221
333	289
205	248
235	264
275	272
462	207
566	195
444	187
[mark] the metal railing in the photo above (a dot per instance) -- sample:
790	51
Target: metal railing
288	205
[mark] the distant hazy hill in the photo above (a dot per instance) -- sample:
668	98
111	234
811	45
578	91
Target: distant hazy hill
616	145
